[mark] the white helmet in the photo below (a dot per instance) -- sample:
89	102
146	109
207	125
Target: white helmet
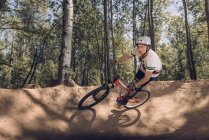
143	40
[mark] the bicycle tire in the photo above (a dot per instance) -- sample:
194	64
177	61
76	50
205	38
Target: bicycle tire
140	93
94	93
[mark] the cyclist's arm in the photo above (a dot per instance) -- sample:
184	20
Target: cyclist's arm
146	78
124	57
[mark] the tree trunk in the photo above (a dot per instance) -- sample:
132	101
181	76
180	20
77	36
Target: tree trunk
84	73
12	52
102	64
2	4
145	19
190	60
207	15
151	23
113	38
66	46
106	39
134	33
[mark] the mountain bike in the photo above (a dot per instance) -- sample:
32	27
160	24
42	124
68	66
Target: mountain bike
99	94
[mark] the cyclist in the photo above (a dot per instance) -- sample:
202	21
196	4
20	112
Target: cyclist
149	68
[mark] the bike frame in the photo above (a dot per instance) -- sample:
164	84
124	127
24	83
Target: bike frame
119	84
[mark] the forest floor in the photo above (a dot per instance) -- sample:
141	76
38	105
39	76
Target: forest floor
176	110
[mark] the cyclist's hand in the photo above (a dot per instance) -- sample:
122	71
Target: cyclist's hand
131	86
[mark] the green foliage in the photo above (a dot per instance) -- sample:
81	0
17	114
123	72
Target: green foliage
34	28
46	72
199	41
6	77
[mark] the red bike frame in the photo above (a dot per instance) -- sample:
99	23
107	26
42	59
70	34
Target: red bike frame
120	85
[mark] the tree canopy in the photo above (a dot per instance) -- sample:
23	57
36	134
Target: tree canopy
31	38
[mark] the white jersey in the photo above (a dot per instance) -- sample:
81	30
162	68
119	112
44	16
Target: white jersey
151	62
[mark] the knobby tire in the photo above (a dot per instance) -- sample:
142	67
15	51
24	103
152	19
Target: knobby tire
93	94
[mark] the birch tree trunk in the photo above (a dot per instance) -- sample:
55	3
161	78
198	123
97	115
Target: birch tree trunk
66	46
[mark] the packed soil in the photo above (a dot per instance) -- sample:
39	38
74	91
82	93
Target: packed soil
176	110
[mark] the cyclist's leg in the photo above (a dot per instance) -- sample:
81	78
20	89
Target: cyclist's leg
151	79
139	75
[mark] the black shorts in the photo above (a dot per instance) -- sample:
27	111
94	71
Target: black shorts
140	75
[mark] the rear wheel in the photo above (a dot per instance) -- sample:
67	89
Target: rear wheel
94	97
138	99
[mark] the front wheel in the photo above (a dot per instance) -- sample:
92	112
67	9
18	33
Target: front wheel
139	99
94	97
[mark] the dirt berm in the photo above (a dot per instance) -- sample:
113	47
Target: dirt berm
176	110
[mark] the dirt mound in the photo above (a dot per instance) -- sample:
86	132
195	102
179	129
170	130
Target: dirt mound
32	86
177	109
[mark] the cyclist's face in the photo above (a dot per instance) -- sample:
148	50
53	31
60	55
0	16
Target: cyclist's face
141	48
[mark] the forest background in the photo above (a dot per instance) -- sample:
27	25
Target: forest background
51	41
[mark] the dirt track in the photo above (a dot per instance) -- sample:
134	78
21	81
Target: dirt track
176	110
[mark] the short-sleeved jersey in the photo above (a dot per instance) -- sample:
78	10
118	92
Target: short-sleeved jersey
150	63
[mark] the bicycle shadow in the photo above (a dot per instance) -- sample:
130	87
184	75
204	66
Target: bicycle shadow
81	121
118	119
79	124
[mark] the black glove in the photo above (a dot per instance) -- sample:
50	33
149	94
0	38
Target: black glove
131	86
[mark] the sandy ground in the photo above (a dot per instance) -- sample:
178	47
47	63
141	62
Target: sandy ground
176	110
